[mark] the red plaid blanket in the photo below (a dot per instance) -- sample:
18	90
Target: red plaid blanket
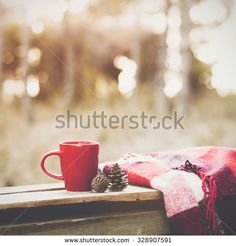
198	185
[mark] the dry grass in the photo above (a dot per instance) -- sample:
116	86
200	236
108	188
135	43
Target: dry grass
22	145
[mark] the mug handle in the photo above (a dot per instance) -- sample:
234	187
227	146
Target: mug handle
56	152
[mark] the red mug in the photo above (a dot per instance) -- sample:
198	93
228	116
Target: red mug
79	164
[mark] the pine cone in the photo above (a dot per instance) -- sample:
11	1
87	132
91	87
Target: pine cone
100	184
118	179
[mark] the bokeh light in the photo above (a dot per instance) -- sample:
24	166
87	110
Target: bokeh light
207	12
215	46
32	86
37	27
34	55
126	78
12	87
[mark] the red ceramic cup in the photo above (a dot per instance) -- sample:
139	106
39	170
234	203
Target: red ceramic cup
79	164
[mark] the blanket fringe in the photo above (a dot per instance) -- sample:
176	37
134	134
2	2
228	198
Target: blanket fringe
210	206
209	188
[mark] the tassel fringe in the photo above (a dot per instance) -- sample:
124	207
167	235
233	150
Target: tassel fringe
209	188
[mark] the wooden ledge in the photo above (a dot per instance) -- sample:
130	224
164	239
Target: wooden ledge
55	194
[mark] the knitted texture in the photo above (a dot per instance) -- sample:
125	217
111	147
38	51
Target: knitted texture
198	185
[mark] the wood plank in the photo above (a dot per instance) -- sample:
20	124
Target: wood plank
76	210
137	223
38	187
54	197
31	188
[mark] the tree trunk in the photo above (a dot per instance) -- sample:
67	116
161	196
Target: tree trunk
1	52
136	56
69	68
161	101
186	56
26	100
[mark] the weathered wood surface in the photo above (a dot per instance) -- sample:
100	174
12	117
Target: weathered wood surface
139	223
31	188
49	209
53	194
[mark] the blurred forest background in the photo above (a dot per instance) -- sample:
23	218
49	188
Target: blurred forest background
120	56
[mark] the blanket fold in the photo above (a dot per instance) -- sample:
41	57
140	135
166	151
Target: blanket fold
192	181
